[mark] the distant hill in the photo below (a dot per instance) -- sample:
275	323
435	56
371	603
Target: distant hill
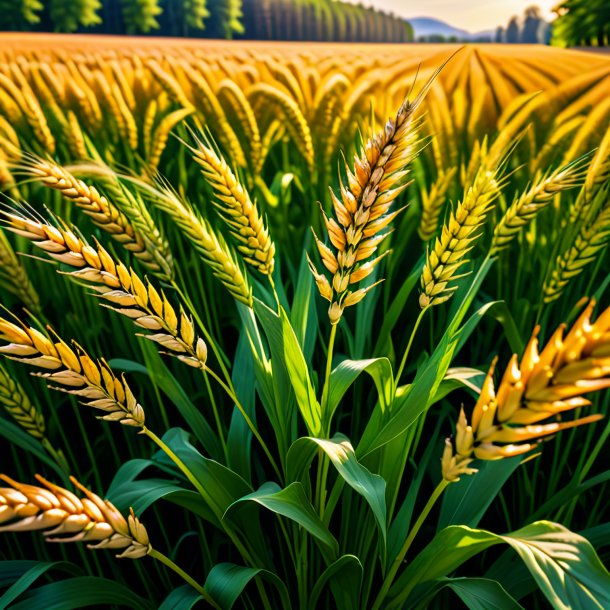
428	26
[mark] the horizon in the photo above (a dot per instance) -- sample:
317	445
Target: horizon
477	16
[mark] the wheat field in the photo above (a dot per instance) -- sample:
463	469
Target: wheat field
336	309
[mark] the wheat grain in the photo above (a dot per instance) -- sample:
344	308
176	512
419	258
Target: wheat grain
545	384
68	518
241	215
363	211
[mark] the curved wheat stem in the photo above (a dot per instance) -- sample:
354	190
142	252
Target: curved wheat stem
68	518
73	369
241	215
543	385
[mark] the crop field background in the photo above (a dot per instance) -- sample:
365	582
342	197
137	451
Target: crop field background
340	311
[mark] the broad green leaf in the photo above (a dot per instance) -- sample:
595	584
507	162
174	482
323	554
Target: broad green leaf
80	592
466	501
482	594
292	503
26	580
341	453
564	564
303	314
226	582
182	598
456	378
347	371
298	371
344	577
12	570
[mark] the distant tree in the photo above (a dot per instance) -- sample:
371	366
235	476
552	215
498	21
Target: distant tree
141	17
69	15
226	17
20	15
195	13
531	25
512	31
499	36
582	22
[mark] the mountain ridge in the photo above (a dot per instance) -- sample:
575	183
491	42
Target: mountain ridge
430	26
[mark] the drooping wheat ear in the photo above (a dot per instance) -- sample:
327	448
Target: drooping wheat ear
532	201
169	84
543	385
212	248
457	238
296	123
92	381
126	292
68	518
233	94
592	237
433	202
363	211
158	141
75	138
14	278
241	215
18	406
103	213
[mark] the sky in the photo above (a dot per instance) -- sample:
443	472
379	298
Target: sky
470	15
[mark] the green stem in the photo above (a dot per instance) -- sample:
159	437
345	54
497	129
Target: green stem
406	354
230	392
217	419
277	298
389	579
191	581
329	364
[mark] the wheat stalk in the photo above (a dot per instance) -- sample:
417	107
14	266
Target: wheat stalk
102	212
126	292
240	214
363	211
68	518
532	201
92	381
457	238
543	385
433	201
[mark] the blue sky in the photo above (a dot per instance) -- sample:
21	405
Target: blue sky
471	15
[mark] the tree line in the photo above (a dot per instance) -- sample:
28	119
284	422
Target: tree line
319	20
582	23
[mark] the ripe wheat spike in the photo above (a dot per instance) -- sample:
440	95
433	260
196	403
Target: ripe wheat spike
121	287
363	210
241	215
73	369
68	518
14	278
543	385
433	202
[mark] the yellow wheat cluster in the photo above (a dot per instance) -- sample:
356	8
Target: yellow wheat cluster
543	385
67	518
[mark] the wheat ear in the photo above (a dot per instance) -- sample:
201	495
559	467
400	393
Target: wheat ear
363	211
103	213
211	247
532	201
543	385
92	381
68	518
13	276
121	287
241	215
457	238
433	202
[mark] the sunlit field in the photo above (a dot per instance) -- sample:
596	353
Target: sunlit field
309	326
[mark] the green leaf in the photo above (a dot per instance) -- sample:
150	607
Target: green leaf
25	581
564	564
459	377
482	594
182	598
226	582
292	503
341	453
298	371
81	592
347	371
344	577
303	314
466	501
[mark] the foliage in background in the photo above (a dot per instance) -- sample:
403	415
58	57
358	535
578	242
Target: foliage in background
281	407
582	23
322	20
